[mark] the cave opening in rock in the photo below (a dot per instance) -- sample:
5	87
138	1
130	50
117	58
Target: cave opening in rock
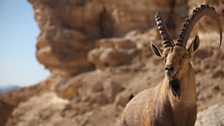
106	24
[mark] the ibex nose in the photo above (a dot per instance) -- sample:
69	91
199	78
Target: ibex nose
169	69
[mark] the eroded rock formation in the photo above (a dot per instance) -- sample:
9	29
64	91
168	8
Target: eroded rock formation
70	28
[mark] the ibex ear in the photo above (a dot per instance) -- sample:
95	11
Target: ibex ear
194	45
157	51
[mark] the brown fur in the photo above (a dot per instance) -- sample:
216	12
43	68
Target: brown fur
158	106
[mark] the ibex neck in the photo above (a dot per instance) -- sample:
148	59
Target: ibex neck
178	110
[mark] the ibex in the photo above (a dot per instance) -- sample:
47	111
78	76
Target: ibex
173	101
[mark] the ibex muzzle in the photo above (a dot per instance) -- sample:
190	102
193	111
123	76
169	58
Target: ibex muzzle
169	69
173	101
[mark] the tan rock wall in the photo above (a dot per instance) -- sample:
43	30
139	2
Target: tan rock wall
69	28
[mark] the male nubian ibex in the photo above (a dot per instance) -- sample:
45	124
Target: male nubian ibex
173	101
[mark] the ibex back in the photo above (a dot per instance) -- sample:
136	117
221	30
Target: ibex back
173	101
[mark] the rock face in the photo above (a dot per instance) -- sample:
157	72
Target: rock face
99	56
113	52
213	116
69	28
39	108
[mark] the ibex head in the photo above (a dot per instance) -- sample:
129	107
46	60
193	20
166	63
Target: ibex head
177	57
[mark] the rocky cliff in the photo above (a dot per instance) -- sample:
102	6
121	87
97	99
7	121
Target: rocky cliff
98	54
70	28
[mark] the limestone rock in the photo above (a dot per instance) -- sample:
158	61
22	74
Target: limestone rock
111	89
70	28
113	52
65	38
63	49
38	111
115	57
213	116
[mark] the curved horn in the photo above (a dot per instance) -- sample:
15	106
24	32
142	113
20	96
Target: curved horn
162	30
199	12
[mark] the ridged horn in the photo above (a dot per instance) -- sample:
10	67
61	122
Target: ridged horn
162	30
203	10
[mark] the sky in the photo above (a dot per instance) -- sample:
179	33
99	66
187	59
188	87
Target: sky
18	34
